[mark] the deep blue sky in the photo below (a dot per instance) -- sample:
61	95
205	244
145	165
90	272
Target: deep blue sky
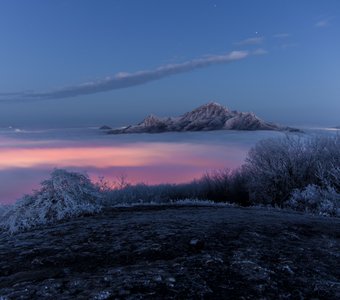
48	45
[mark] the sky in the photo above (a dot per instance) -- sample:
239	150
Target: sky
89	63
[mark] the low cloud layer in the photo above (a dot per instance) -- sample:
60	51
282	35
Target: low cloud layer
125	80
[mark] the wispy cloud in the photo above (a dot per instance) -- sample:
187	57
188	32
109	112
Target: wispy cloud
250	41
323	22
259	51
124	80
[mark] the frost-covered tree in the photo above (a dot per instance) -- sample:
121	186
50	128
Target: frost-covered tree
276	167
334	178
330	177
64	195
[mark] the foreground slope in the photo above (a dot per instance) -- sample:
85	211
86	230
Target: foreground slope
175	252
211	116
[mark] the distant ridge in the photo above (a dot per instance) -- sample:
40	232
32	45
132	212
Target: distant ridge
210	116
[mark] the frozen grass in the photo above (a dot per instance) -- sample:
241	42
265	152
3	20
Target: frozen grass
183	202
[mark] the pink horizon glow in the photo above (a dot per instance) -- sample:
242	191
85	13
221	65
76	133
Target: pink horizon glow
130	155
151	163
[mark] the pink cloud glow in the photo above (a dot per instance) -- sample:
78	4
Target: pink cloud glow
23	167
131	155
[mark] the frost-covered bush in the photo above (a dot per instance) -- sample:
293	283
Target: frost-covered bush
218	186
142	193
3	209
334	178
276	167
316	200
64	195
330	177
222	186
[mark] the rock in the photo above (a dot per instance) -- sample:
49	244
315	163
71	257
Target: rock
196	245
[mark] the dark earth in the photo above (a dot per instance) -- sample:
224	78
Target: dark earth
170	252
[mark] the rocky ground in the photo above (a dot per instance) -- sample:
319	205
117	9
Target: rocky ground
175	252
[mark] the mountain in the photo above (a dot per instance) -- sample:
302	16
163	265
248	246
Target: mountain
210	116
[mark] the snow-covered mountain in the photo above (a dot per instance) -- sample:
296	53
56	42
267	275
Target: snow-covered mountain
210	116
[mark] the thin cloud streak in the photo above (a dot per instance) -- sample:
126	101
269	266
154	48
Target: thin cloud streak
125	80
251	41
323	23
260	51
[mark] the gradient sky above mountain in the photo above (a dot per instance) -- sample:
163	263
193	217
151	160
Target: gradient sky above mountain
81	62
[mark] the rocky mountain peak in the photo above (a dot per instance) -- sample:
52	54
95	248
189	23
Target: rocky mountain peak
210	116
150	120
207	111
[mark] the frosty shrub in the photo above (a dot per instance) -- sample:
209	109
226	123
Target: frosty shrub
330	177
223	186
3	209
316	200
276	167
218	186
143	194
64	195
334	175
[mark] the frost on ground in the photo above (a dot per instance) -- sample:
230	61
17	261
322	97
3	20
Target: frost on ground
175	252
64	195
181	202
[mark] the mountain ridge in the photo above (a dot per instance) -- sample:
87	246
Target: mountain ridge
207	117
